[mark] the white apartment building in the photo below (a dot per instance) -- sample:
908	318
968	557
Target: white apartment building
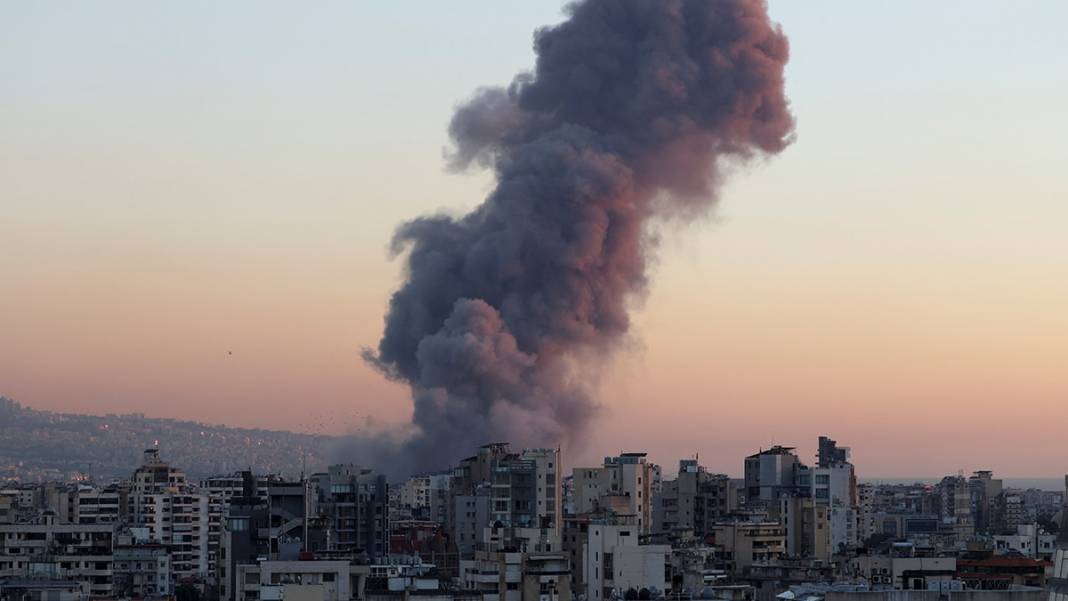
614	562
1029	541
173	513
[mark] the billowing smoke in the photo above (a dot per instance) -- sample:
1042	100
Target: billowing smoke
632	111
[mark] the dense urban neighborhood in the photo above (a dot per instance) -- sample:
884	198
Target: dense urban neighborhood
40	445
514	525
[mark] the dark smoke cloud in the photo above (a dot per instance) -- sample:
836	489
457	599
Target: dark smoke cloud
631	111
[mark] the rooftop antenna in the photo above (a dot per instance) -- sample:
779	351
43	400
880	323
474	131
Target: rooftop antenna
304	484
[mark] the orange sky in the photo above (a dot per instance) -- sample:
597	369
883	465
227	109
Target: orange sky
894	280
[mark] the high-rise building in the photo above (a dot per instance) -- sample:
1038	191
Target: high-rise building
770	475
174	513
355	503
498	489
695	499
830	453
623	485
985	490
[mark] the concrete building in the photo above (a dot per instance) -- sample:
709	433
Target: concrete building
985	490
470	517
426	497
832	485
90	505
310	580
355	502
747	543
548	494
500	575
608	558
865	512
49	550
905	573
1002	573
221	490
830	454
1029	541
624	484
807	527
142	571
770	475
1012	509
40	589
8	508
694	500
954	500
512	491
175	514
269	526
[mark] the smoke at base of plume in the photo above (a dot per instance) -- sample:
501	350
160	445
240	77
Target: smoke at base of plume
630	111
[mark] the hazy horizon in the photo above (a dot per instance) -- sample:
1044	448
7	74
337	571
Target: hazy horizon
1052	482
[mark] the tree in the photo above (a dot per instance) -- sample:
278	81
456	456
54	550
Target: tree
631	594
187	592
1049	524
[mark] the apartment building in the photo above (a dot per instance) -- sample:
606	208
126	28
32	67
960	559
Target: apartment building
609	558
319	579
355	502
501	489
747	543
142	570
48	549
623	484
174	513
770	475
694	500
503	575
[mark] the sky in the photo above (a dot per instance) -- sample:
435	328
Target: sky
196	201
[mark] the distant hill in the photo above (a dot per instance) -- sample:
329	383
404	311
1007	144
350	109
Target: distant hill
44	445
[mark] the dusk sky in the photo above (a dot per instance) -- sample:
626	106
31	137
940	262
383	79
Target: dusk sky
181	181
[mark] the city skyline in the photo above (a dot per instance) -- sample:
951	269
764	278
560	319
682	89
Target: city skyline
202	234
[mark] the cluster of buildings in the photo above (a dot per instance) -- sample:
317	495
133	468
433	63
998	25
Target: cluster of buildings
510	525
48	446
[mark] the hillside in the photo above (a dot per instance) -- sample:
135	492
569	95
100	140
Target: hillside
44	445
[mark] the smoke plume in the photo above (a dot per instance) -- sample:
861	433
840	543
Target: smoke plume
632	110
